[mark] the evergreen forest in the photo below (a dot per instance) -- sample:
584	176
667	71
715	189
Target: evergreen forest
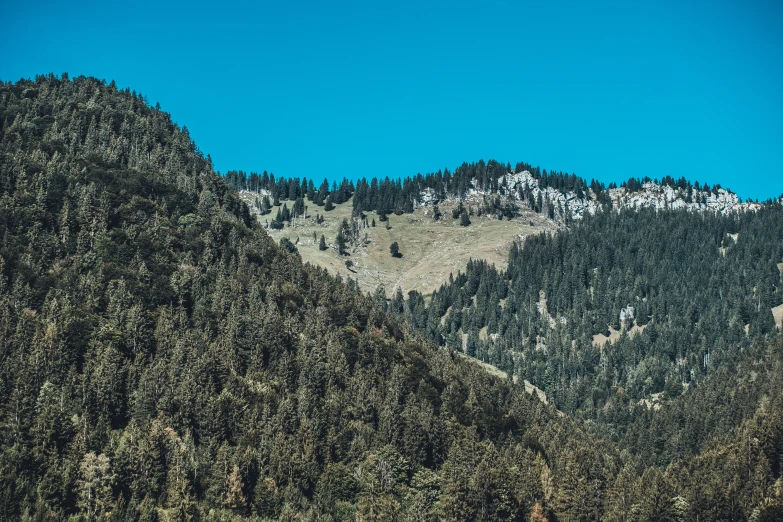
163	359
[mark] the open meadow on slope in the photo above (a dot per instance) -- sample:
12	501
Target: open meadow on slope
431	250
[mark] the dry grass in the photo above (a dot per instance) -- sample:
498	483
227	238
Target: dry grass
431	250
777	313
492	370
600	339
497	372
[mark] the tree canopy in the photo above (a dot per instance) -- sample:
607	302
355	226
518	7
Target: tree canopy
161	358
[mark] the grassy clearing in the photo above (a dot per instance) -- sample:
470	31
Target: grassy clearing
430	249
600	339
777	313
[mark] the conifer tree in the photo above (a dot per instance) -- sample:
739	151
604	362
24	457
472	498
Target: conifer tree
340	241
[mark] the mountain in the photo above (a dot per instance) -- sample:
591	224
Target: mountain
163	358
492	189
427	225
501	205
523	186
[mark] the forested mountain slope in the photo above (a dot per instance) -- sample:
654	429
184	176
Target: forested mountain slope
688	292
161	358
694	349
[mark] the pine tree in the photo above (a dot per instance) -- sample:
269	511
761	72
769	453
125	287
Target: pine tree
340	240
235	499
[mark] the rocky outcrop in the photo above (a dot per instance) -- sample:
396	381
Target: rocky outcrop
650	195
664	196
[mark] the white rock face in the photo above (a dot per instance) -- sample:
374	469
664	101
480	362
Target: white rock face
261	192
562	201
427	197
662	197
651	195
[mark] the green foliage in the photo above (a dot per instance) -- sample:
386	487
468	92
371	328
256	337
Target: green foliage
287	245
664	392
669	272
163	359
340	241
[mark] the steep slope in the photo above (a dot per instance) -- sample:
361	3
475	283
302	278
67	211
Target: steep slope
703	363
162	358
688	292
430	249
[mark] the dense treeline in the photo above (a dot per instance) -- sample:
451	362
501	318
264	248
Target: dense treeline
162	359
291	189
398	196
690	293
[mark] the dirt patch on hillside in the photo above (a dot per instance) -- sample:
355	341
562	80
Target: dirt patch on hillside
777	313
530	388
600	340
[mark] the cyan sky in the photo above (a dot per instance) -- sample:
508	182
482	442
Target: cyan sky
606	90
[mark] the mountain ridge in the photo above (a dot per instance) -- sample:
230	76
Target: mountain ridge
559	196
649	195
163	358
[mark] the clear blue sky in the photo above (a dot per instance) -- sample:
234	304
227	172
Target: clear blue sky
606	90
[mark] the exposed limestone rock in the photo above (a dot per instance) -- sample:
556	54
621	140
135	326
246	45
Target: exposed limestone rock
651	195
